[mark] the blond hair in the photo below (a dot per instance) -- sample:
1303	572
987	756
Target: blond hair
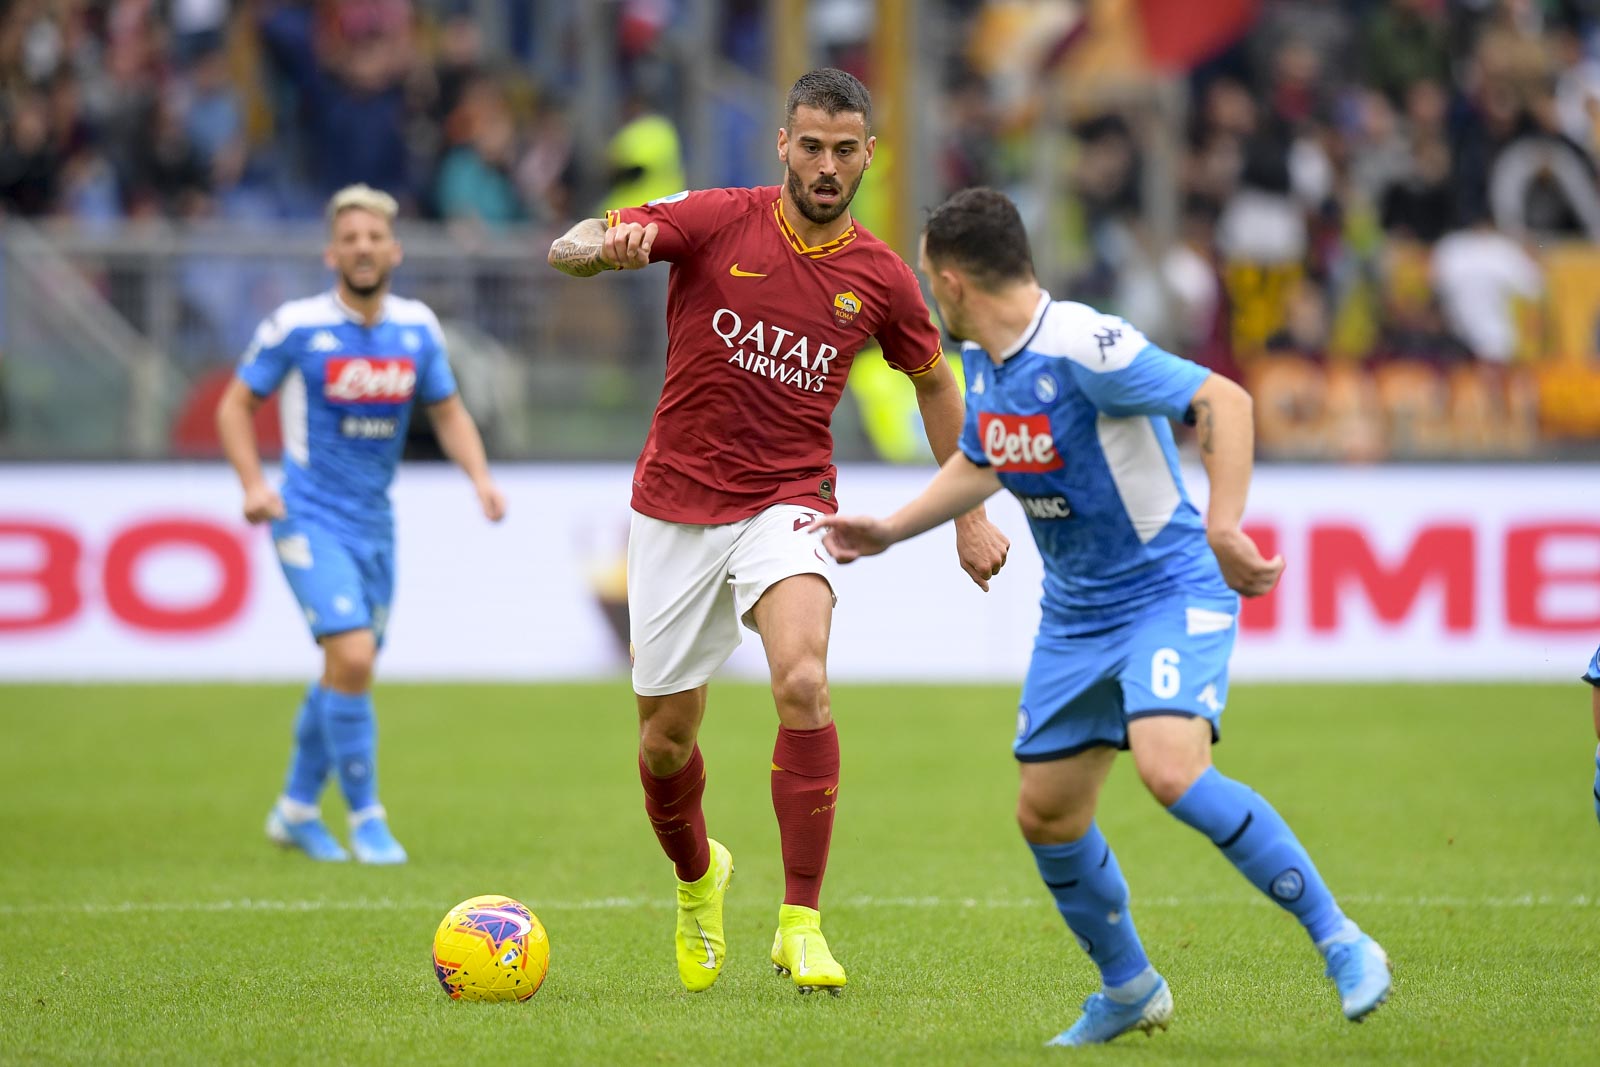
364	197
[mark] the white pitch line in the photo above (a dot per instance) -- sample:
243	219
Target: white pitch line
1581	901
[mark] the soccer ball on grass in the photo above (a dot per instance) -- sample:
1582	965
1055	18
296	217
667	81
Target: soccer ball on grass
490	948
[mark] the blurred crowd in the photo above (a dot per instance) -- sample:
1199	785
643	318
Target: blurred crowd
257	109
1374	198
1369	204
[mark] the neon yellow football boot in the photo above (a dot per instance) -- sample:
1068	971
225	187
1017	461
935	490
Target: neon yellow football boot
799	951
700	941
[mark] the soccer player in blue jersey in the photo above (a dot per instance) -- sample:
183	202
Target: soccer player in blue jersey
1592	676
350	362
1068	409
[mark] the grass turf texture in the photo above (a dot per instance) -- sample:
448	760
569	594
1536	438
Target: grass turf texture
144	918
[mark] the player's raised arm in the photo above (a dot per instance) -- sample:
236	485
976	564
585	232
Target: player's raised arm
591	247
959	487
1222	412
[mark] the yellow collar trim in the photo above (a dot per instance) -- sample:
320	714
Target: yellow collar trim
799	245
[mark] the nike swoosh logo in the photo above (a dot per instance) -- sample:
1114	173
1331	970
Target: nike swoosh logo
828	792
710	962
737	273
524	928
802	970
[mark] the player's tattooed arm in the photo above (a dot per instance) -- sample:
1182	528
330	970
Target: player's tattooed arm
1200	418
591	247
1223	416
578	251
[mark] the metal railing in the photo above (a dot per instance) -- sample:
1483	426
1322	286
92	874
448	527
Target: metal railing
107	340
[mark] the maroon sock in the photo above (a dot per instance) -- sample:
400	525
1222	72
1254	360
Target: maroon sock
805	777
673	804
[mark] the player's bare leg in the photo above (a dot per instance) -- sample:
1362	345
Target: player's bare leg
674	780
1056	802
1173	754
794	617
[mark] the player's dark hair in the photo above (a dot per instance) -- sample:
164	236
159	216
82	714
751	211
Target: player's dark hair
980	231
831	91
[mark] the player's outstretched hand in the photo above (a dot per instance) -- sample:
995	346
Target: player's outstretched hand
627	245
262	504
492	500
1244	568
982	548
849	537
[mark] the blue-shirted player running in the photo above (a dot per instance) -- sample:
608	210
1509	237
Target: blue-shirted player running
1592	676
1068	409
349	364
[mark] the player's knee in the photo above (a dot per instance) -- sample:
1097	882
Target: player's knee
1168	782
350	662
1052	825
665	746
801	692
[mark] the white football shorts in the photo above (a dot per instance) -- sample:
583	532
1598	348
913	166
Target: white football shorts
689	587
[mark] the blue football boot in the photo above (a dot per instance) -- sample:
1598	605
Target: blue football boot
1360	969
371	840
1104	1018
308	835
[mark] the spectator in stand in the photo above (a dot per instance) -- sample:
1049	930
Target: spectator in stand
644	155
1482	276
546	175
1421	203
1404	42
349	63
475	183
29	165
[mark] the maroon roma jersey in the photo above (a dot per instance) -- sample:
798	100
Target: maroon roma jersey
761	331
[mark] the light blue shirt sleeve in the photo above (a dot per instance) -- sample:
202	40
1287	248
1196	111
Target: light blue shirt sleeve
1154	382
267	360
435	381
971	444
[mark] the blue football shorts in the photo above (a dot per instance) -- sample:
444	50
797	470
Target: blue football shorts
1592	675
1082	690
342	584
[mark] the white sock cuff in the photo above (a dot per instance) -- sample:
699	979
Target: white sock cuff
1134	989
375	811
297	811
1347	933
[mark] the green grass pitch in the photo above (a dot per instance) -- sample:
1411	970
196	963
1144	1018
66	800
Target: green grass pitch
145	919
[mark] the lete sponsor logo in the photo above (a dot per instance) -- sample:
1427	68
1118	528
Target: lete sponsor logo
1019	444
367	380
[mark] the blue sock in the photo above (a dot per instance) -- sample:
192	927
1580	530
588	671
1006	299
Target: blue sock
1257	841
1092	896
352	733
308	762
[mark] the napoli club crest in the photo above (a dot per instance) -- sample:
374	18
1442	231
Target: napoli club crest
1045	388
1288	886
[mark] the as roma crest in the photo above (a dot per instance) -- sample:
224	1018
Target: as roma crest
846	306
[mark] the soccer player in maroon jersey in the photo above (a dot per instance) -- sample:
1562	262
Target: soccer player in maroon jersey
772	293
